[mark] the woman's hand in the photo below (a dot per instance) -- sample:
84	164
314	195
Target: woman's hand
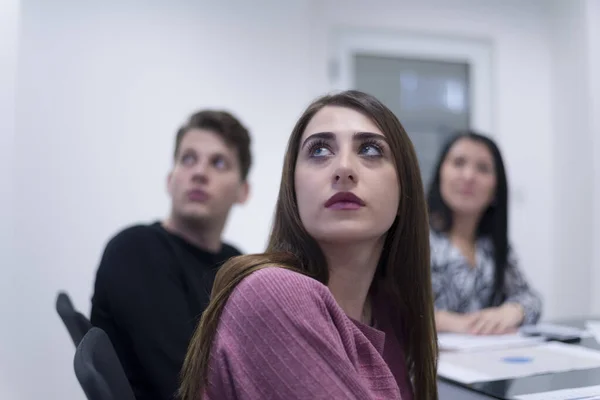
497	320
447	321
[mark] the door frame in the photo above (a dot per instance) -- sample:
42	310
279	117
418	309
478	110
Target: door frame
346	42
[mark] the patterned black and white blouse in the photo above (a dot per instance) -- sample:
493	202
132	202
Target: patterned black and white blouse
461	288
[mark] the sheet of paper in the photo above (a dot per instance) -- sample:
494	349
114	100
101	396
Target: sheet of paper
490	365
462	342
585	393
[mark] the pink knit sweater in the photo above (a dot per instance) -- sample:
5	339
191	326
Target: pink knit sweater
283	336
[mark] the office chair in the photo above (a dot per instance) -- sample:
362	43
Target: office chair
99	370
77	324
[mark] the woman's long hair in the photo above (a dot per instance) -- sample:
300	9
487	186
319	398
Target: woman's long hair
403	272
494	220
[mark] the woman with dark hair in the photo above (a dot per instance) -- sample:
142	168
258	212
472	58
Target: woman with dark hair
477	284
340	304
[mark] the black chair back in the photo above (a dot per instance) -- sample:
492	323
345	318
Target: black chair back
99	370
77	324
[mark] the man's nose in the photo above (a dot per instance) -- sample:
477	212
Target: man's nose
200	172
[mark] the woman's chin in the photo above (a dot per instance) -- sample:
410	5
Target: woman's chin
345	233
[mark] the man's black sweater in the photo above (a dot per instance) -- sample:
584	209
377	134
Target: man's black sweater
151	288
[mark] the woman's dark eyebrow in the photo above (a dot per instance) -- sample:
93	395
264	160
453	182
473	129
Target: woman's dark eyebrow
368	135
319	135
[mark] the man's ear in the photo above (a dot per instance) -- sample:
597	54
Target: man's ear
243	193
169	181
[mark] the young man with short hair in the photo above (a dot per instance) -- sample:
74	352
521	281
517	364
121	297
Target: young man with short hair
154	281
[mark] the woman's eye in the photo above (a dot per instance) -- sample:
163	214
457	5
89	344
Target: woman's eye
458	162
371	150
319	151
484	168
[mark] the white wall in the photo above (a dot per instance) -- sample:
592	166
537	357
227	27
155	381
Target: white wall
593	24
573	158
103	87
574	28
9	24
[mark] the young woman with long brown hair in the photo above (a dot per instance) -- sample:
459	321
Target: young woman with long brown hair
340	305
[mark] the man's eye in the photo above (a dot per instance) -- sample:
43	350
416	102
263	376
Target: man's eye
188	159
220	163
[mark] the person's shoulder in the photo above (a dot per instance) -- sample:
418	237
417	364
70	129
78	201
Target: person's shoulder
230	250
132	243
485	243
277	290
135	233
513	256
437	241
276	278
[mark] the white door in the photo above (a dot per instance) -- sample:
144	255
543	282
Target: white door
434	85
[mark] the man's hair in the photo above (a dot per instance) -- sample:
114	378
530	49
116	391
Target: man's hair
225	125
